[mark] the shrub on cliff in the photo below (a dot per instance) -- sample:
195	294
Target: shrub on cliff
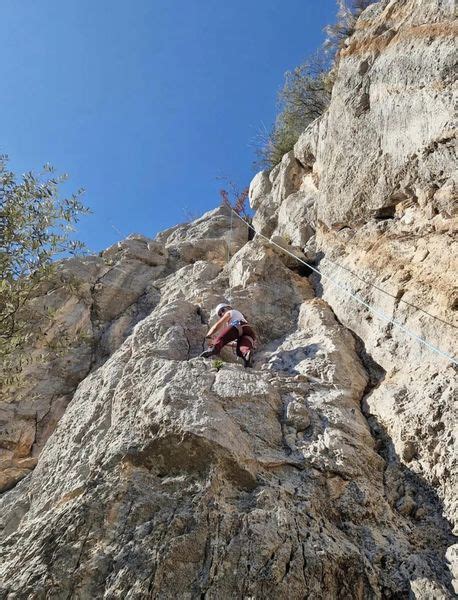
239	199
35	229
304	97
307	90
347	16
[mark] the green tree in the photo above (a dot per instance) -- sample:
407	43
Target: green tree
36	227
303	98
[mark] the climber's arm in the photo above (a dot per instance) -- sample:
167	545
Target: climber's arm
224	319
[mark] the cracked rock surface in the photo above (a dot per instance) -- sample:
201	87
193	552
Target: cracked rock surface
132	468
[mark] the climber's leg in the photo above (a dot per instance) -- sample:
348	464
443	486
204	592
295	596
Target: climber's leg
245	345
229	334
246	350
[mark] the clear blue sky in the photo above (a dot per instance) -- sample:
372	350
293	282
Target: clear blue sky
145	103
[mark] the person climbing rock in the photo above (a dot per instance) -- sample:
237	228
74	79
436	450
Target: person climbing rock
232	326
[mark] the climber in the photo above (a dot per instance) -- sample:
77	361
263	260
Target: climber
233	327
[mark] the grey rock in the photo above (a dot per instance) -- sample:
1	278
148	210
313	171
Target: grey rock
134	469
297	414
260	187
409	450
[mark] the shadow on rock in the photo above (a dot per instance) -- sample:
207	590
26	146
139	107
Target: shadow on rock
416	502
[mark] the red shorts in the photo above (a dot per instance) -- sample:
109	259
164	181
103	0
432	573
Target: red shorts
245	339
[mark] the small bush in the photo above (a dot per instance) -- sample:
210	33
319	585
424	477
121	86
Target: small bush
217	364
347	16
304	97
239	198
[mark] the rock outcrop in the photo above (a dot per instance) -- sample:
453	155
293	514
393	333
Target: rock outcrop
96	301
385	213
132	468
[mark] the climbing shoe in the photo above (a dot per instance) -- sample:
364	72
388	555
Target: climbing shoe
247	359
208	353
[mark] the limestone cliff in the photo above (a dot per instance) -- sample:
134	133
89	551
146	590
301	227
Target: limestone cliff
131	468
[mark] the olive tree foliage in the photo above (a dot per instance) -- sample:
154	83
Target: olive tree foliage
36	225
347	16
304	97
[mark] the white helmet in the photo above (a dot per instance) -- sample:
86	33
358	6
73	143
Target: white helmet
220	306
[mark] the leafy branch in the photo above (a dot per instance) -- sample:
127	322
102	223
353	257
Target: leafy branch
36	226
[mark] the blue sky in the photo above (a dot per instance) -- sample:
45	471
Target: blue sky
145	103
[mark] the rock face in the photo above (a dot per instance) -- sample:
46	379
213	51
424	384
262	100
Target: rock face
96	302
132	468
